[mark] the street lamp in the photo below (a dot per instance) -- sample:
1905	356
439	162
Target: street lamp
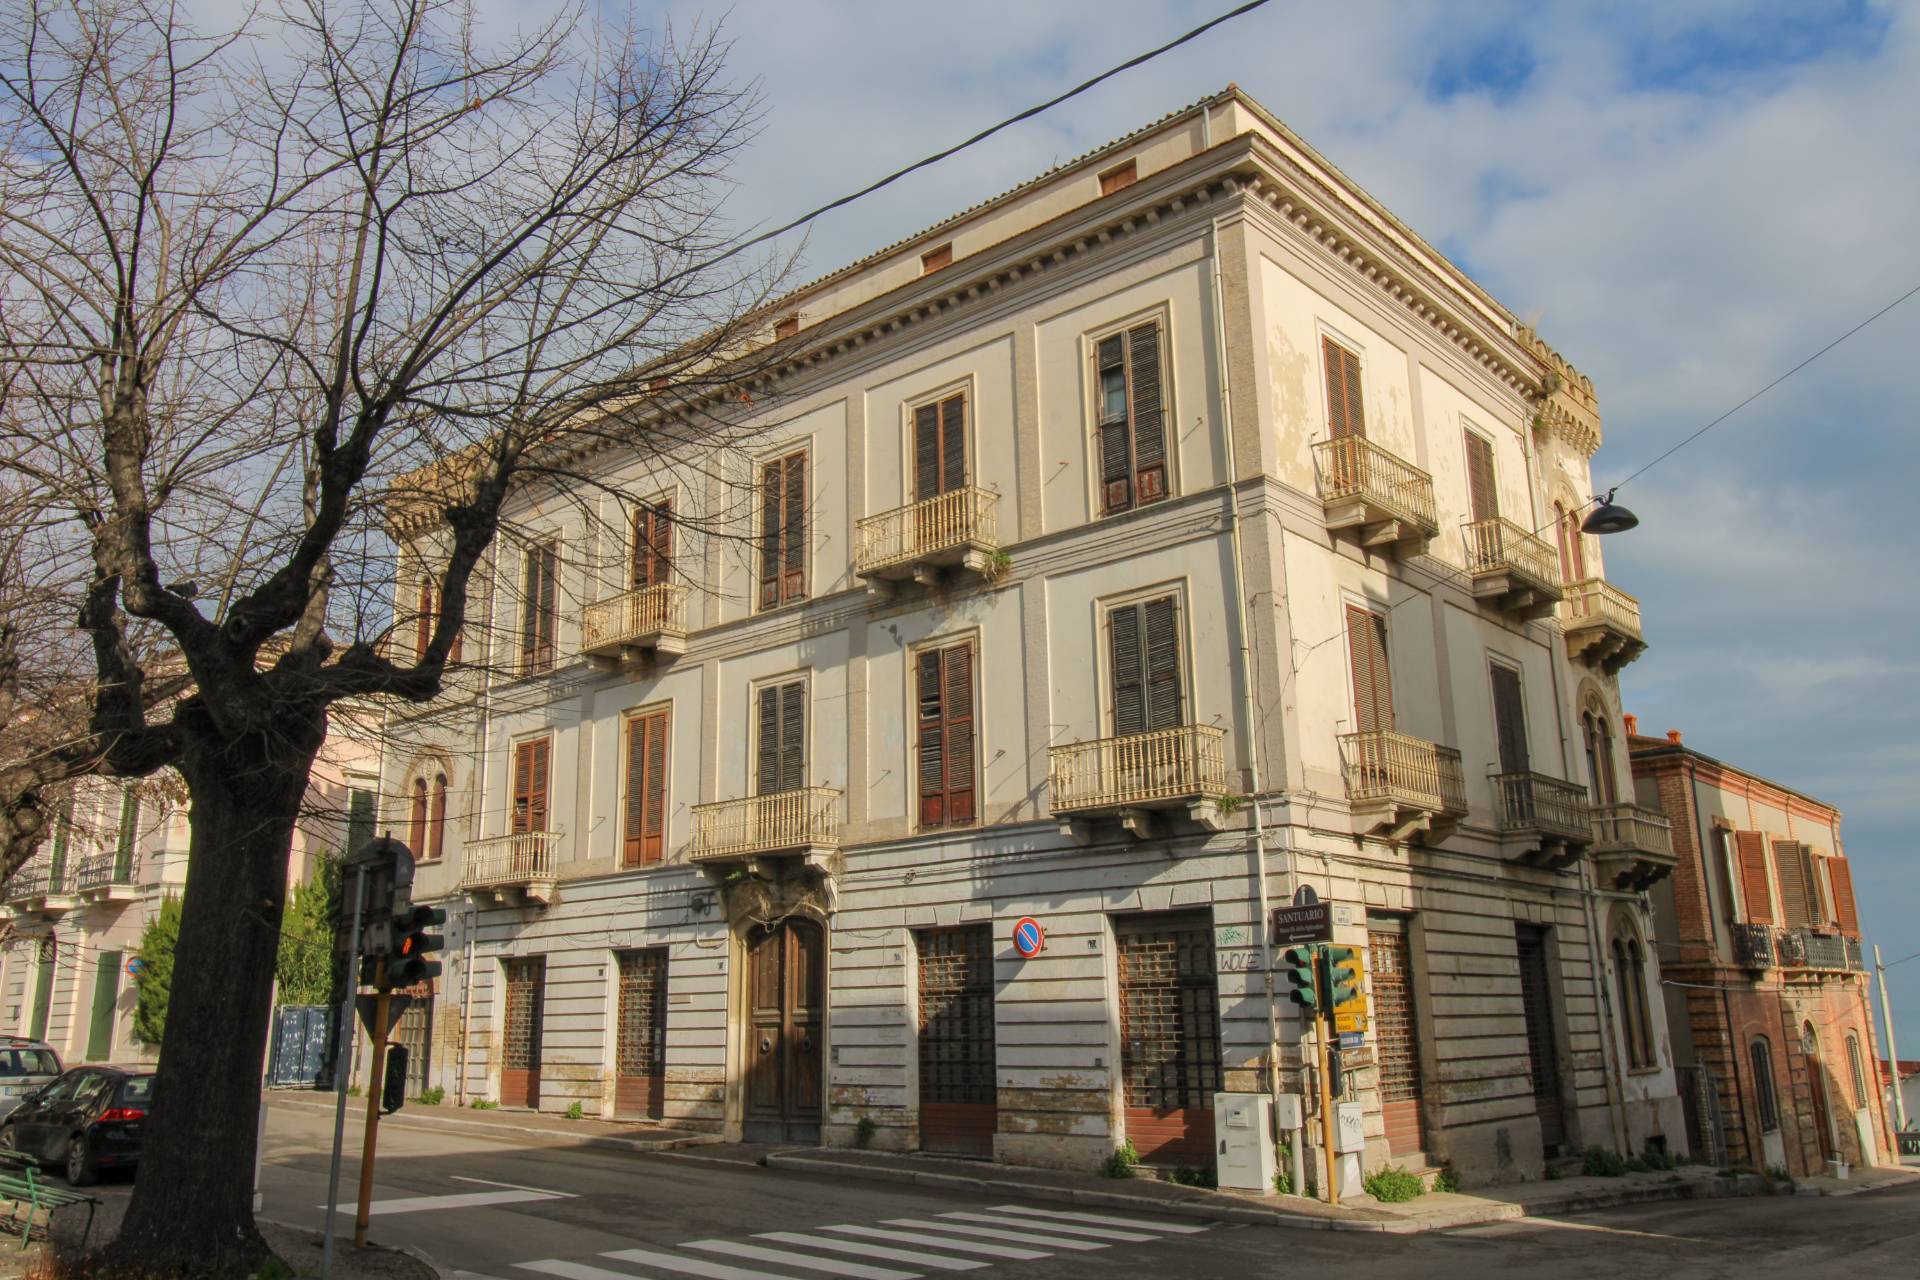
1609	517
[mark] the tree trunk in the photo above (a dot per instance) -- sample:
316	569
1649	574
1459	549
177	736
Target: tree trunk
192	1207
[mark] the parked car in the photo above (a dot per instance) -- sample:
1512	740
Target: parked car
26	1067
89	1119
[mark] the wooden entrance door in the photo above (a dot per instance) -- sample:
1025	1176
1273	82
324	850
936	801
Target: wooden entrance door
640	1048
958	1114
520	1039
785	1008
1169	1036
1396	1035
1543	1052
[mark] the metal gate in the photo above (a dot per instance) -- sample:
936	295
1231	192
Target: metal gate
1396	1036
1543	1053
520	1038
958	1112
640	1040
302	1038
1169	1036
415	1032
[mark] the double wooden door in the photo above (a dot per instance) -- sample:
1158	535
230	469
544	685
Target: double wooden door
1543	1046
786	991
520	1038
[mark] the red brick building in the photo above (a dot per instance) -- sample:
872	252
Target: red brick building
1764	973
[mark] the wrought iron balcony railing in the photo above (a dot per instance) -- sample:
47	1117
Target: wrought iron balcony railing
650	618
1518	572
105	874
1139	770
1364	486
957	529
26	884
520	860
807	821
1753	946
1818	950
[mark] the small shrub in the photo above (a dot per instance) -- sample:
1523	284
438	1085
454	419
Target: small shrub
432	1097
353	1091
576	1112
1394	1185
1602	1163
484	1104
1553	1173
1121	1162
1659	1159
1637	1165
1283	1163
1446	1180
864	1131
1202	1176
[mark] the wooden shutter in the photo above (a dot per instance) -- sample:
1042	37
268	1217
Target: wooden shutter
423	622
1149	427
417	818
926	452
781	748
1129	671
1482	500
652	544
530	785
537	618
767	743
953	443
944	688
1844	908
1372	679
1753	877
644	830
1796	896
1116	464
772	504
939	447
1509	719
1163	663
437	818
1345	415
793	582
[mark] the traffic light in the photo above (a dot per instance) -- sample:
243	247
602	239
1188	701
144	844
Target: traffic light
393	1089
1343	975
1336	1072
413	939
1298	963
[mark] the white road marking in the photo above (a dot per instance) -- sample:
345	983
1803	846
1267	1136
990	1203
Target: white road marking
993	1233
691	1266
464	1200
574	1270
859	1250
1070	1228
788	1258
489	1182
1612	1231
958	1246
1142	1224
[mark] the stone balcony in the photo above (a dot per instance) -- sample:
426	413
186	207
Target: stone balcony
930	542
804	825
650	622
1399	785
107	877
1129	778
514	868
1375	497
1632	847
1602	625
1511	570
1547	820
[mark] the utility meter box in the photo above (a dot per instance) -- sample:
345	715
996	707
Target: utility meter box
1243	1136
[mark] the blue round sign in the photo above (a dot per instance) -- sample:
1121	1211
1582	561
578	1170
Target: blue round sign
1028	937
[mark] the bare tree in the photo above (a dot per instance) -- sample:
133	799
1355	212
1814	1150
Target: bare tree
268	296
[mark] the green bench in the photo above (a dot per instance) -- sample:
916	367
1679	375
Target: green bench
30	1201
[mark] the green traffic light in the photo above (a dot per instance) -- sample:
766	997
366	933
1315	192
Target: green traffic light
1298	965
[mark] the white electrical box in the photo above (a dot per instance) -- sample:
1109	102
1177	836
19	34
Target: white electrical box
1243	1134
1349	1128
1287	1112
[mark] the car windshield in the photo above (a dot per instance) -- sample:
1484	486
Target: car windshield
137	1091
28	1062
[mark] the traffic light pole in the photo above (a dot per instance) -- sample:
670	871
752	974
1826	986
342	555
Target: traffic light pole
342	1063
1322	1028
376	1075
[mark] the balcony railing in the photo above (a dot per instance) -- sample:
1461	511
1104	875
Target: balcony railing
1392	770
1632	847
955	529
1139	770
1753	946
1508	564
522	860
1362	484
807	821
105	874
1537	803
649	618
1791	947
1822	951
1602	624
27	883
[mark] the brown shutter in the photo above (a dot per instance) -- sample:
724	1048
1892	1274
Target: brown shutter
929	692
655	831
953	443
959	727
1483	502
1345	416
1372	679
536	624
1149	428
767	743
530	785
926	452
643	833
423	624
1509	719
652	545
1796	897
549	606
1116	467
530	610
772	503
1844	909
437	819
1753	877
1129	674
944	690
417	818
1576	550
793	736
1163	664
793	585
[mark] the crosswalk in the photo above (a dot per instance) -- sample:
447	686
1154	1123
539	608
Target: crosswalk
891	1249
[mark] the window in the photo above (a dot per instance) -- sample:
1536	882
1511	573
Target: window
943	690
1630	982
1345	414
1598	733
129	834
780	751
939	447
1483	501
1799	902
360	817
1133	447
1144	644
1121	175
786	327
431	606
417	818
539	609
1760	1054
652	545
1730	869
530	785
1509	718
1372	681
934	259
1755	897
783	530
1855	1069
1573	556
62	834
643	834
437	818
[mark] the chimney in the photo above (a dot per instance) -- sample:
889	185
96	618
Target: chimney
1673	736
1632	722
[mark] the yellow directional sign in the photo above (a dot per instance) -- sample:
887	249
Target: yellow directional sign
1350	1016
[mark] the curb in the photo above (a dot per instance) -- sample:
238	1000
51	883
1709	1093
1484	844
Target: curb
417	1254
429	1123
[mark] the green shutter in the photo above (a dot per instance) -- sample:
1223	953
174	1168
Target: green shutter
106	991
359	818
42	992
129	830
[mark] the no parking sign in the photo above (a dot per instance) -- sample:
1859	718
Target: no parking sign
1029	939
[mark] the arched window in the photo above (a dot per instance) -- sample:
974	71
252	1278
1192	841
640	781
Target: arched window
1598	733
423	622
1623	992
1760	1052
1573	558
1859	1075
417	817
437	818
1630	986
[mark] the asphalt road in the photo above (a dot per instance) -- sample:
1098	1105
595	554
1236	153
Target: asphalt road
486	1207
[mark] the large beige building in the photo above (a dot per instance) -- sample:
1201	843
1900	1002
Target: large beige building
1125	552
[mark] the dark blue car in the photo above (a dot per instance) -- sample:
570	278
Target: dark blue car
89	1119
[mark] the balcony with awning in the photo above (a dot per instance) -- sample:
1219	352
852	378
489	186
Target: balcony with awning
803	825
1511	570
1632	847
517	868
1130	777
649	622
1399	785
1546	819
1375	496
1601	624
930	542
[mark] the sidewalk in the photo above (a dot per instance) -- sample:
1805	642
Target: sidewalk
1860	1180
622	1135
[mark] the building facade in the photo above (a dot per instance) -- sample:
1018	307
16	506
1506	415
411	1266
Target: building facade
1173	532
1766	993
